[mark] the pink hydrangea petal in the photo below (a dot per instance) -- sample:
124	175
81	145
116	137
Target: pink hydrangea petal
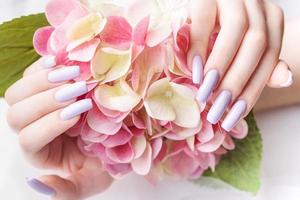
206	133
84	52
98	122
197	173
41	38
120	138
213	144
228	143
117	32
58	10
139	123
156	147
139	145
140	31
90	135
118	171
121	154
99	151
240	131
158	34
142	165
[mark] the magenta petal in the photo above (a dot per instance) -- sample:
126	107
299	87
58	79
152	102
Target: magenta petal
84	52
228	143
100	151
41	38
121	154
98	122
117	32
58	10
121	138
213	144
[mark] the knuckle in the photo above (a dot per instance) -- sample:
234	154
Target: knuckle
13	119
23	141
259	37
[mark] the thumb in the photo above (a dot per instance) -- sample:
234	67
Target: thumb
88	181
281	77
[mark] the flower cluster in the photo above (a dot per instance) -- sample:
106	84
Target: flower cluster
133	56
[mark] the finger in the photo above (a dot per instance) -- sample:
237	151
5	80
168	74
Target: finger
88	181
234	23
46	62
255	86
281	76
38	134
40	81
30	109
203	15
244	64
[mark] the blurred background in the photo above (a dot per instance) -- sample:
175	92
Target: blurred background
280	129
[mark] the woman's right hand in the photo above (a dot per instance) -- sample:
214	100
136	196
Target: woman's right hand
43	107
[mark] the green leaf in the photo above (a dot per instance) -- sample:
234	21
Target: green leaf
16	48
241	168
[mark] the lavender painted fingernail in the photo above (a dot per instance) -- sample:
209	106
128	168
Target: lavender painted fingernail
76	109
236	113
49	62
41	187
197	70
209	83
219	107
72	91
64	74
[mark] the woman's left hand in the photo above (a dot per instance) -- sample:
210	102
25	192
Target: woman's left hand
243	58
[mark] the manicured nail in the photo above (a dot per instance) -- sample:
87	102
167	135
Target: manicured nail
289	81
49	62
219	107
41	187
236	113
197	70
72	91
209	83
64	74
76	109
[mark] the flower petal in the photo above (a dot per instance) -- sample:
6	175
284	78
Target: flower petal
98	122
213	144
156	146
84	52
120	154
120	138
119	97
110	63
142	165
139	144
41	38
240	131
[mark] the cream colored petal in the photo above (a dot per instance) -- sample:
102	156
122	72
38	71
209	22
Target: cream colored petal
142	165
119	97
160	108
86	28
111	62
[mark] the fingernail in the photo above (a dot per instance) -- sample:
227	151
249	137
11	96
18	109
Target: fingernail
41	187
64	74
76	109
49	62
236	113
197	70
209	83
219	107
289	81
72	91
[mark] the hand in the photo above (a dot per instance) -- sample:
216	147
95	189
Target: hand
243	58
43	106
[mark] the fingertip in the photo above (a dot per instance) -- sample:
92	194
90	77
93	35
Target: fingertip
281	77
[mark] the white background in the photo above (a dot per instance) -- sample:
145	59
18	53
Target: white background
281	164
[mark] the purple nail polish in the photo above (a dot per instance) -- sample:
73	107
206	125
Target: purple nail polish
197	66
76	109
236	113
209	83
49	62
71	92
64	74
219	107
41	187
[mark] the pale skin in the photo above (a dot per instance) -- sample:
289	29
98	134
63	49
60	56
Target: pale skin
47	147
